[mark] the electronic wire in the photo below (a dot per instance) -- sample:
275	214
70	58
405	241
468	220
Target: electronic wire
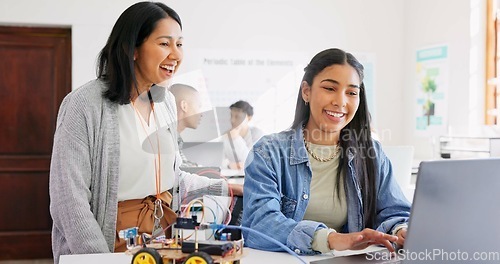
287	249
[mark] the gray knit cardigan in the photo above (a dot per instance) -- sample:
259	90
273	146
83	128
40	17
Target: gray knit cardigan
84	171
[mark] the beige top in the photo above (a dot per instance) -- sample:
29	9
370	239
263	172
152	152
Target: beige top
324	203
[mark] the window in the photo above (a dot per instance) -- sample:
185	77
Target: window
492	62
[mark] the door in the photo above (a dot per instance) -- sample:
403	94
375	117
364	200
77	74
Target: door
35	75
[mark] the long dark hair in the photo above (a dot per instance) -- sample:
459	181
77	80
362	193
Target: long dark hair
116	59
355	137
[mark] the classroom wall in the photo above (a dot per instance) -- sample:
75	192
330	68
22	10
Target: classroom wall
391	30
461	26
266	25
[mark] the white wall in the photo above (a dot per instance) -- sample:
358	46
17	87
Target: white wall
268	25
390	29
431	22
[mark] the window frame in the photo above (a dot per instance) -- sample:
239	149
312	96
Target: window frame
492	63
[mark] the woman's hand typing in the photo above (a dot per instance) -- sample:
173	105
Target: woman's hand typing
361	240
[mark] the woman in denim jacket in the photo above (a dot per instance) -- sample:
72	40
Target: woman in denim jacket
324	184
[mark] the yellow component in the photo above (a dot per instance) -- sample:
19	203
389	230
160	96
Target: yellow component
195	260
173	245
144	258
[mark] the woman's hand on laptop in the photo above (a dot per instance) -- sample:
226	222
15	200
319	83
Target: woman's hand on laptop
401	234
361	240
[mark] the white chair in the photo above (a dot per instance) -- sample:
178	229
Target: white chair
401	159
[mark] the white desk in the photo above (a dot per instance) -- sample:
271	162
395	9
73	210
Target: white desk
251	256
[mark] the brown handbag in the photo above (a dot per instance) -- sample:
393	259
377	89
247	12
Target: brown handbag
140	213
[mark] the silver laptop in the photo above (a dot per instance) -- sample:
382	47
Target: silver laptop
208	154
454	217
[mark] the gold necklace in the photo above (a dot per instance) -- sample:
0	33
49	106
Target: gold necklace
320	159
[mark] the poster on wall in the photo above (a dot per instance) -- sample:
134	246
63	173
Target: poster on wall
432	82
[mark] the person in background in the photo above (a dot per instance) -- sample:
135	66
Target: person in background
324	184
189	115
240	138
110	133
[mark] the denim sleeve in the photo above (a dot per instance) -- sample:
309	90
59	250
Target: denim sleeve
392	206
264	209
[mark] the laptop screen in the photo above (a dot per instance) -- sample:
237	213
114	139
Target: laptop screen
209	154
456	209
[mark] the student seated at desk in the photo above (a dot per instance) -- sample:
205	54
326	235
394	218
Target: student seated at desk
240	138
189	115
324	184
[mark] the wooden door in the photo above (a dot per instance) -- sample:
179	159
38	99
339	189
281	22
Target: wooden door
35	75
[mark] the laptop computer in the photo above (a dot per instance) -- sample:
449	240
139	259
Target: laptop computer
454	216
208	154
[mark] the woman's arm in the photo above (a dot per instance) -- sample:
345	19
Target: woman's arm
265	208
192	186
393	209
69	185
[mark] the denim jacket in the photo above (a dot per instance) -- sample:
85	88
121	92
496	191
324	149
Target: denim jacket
277	187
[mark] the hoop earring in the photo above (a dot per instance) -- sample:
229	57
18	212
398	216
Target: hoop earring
306	103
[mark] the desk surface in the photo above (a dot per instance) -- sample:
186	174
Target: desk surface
251	256
232	173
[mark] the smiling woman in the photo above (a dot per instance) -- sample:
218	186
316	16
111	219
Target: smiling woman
157	58
325	174
106	171
333	102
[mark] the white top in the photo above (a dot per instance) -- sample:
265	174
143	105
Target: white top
242	145
139	151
